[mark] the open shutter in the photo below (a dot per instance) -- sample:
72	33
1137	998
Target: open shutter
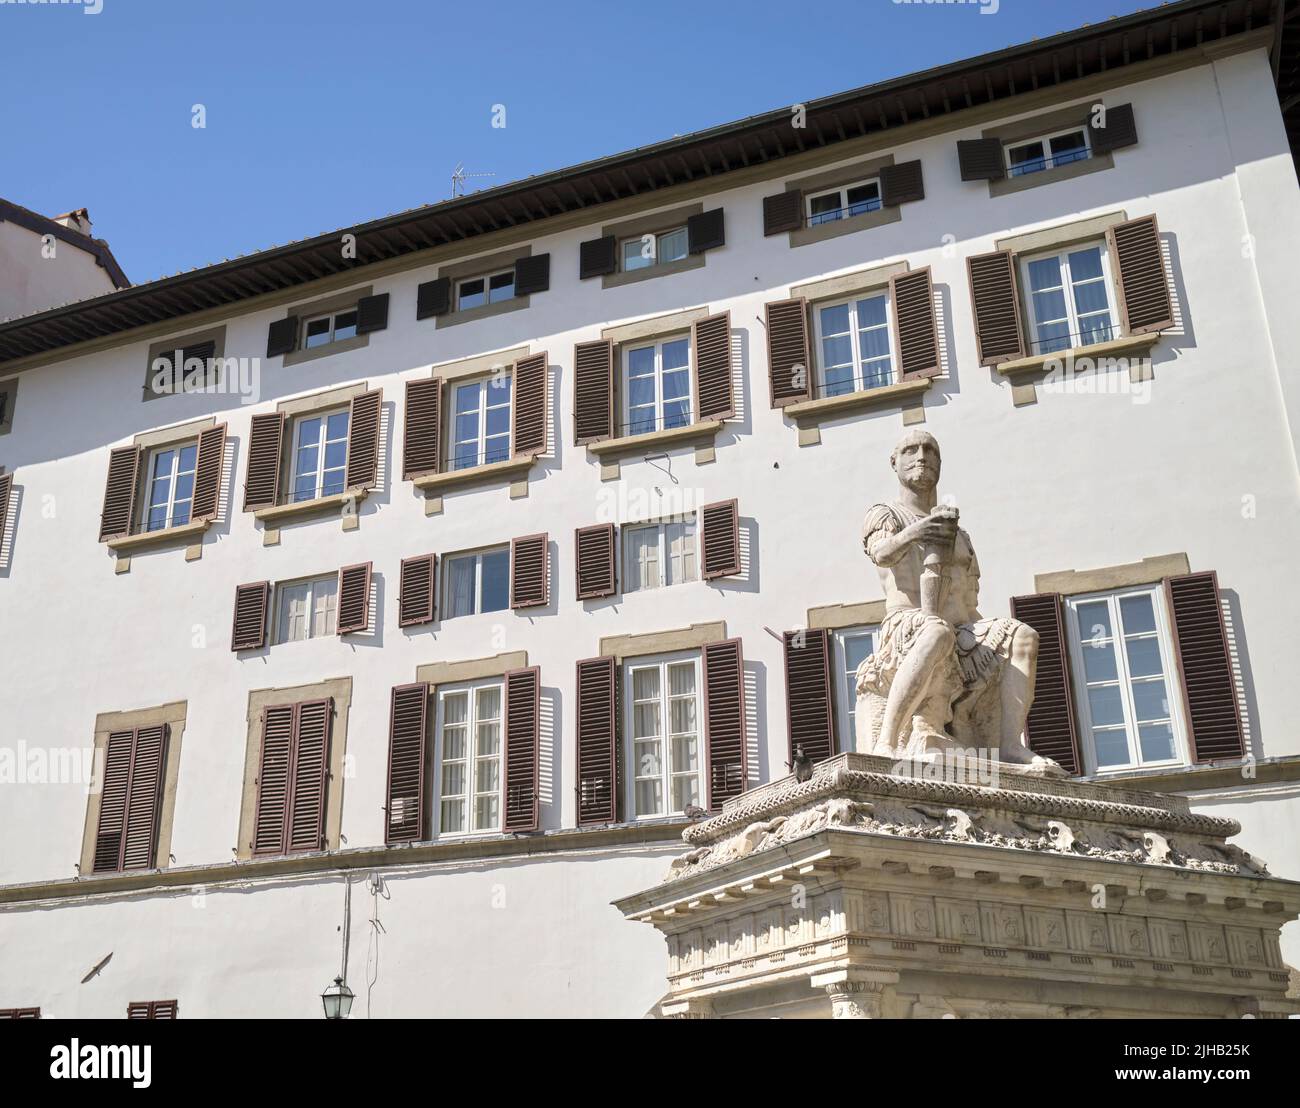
422	435
1051	728
113	800
597	713
372	313
981	159
282	337
593	391
595	561
528	409
721	530
152	1010
248	627
139	1010
354	598
165	1009
782	211
705	231
520	810
6	491
532	274
363	440
724	720
1205	664
596	257
433	298
996	304
273	780
789	362
1120	130
809	702
901	184
119	492
529	572
408	725
265	444
1144	300
711	348
207	472
144	798
415	602
912	297
310	762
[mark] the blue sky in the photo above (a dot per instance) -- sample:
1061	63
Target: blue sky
324	113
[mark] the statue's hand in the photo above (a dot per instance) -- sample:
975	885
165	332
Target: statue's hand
933	531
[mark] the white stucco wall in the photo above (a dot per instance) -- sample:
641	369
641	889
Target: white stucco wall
30	281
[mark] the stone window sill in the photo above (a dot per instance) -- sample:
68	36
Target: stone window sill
511	468
1006	186
811	413
646	273
702	432
1115	348
125	544
322	505
483	311
820	232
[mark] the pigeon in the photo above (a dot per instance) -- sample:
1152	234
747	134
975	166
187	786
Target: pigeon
802	765
694	813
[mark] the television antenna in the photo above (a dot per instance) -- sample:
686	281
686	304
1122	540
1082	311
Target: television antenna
459	176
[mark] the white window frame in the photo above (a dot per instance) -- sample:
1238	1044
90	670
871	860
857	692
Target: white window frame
469	689
490	391
324	586
657	345
662	662
656	258
448	577
1062	254
841	192
1170	674
332	336
661	528
322	441
859	377
487	279
846	691
176	448
1049	161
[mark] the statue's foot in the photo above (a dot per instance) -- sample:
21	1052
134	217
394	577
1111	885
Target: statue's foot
1033	763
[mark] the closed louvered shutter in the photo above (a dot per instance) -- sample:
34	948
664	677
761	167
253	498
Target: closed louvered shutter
1120	130
529	572
422	435
20	1013
997	306
1051	728
782	212
131	800
711	345
981	159
721	529
593	391
596	257
248	627
139	1010
354	598
6	491
532	274
168	379
310	771
363	440
119	492
113	799
528	415
724	720
408	724
282	337
152	1010
901	184
1205	665
809	701
415	603
265	445
912	297
705	231
1144	299
433	298
522	738
789	362
207	472
597	713
273	779
372	313
595	561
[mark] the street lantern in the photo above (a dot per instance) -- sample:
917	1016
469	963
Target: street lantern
337	1000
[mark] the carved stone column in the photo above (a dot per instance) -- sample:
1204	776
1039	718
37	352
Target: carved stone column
696	1008
855	994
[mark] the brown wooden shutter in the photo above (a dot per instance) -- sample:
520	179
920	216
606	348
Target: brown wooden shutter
521	808
20	1013
996	303
119	493
809	696
248	627
144	798
408	728
1144	300
6	491
1205	664
354	598
597	715
532	274
265	448
705	231
783	211
433	298
596	257
152	1010
1051	728
282	337
372	313
981	159
415	602
789	360
912	297
139	1009
310	764
530	577
528	408
594	557
724	720
165	1009
363	440
273	779
901	184
1120	130
720	525
593	391
207	472
422	435
711	348
113	800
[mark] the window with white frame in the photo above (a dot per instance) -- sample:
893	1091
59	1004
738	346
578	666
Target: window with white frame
469	757
853	345
482	422
644	251
1124	678
1069	298
853	645
1047	152
658	392
659	554
306	609
322	330
474	292
843	202
170	490
320	454
665	746
477	582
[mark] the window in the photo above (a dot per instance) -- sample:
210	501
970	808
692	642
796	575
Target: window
658	385
474	292
478	582
853	645
1047	152
663	725
854	346
659	554
469	758
20	1013
320	455
843	202
1123	678
171	486
306	609
647	250
325	329
1069	298
482	430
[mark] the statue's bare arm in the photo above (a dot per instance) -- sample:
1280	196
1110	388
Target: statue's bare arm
885	548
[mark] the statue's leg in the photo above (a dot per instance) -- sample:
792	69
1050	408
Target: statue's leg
928	650
1017	693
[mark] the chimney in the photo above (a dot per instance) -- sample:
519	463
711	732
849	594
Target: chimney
78	220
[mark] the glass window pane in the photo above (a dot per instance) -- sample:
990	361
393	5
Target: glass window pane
1094	620
189	455
1111	748
318	332
1099	661
686	791
681	679
345	325
835	319
673	246
1157	742
649	798
1049	305
824	208
502	287
460	588
453	816
642	558
1143	657
645	719
472	294
837	351
1105	705
1149	700
676	384
645	683
682	711
1091	298
677	354
1085	264
638	254
1044	273
1027	158
1137	613
648	762
337	426
496	581
455	707
467	397
641	361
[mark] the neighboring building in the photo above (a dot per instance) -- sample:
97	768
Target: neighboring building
505	562
49	261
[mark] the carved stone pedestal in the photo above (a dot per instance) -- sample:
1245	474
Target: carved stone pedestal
866	894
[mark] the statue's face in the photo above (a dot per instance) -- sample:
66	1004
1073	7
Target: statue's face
916	461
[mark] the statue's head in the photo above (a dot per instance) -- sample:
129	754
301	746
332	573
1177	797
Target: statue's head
916	460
